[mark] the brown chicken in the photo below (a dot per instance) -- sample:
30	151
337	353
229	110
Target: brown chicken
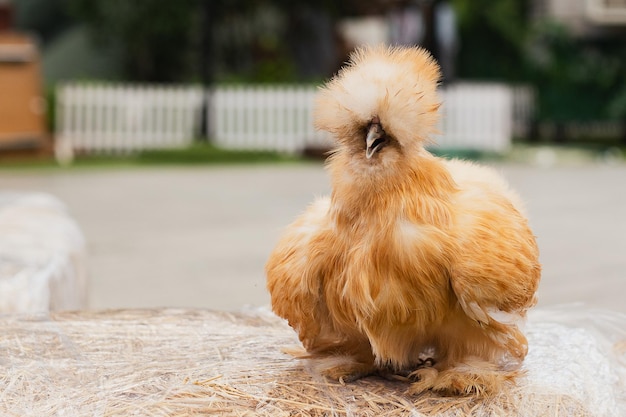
415	267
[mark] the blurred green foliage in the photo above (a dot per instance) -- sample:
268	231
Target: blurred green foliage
45	18
577	79
155	34
173	41
205	153
492	38
200	153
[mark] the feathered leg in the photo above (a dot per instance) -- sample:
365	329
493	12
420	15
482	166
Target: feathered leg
474	376
342	361
481	365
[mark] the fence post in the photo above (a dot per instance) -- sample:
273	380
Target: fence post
63	151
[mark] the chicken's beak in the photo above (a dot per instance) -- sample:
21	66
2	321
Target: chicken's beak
374	140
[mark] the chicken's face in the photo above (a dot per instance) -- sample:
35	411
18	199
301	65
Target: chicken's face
375	138
373	148
371	145
381	107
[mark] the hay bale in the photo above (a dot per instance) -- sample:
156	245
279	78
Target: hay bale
195	362
42	255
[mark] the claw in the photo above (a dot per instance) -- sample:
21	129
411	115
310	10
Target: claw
424	378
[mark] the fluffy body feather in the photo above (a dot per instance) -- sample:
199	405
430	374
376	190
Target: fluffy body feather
411	256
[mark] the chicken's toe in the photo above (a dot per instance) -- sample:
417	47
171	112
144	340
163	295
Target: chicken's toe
347	372
424	378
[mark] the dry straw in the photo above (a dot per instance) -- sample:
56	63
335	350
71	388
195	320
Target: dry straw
196	362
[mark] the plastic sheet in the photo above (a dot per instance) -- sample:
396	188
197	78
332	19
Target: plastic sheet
579	353
196	362
42	255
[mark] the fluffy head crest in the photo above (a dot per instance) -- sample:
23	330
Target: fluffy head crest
397	84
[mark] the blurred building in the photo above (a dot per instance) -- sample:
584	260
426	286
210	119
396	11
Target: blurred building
429	23
585	18
22	106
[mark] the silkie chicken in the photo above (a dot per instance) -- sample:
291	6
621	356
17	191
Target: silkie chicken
416	267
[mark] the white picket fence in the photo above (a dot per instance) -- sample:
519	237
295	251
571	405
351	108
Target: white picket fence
110	118
117	118
476	116
278	117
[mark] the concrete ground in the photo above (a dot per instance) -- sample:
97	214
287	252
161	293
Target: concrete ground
199	236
